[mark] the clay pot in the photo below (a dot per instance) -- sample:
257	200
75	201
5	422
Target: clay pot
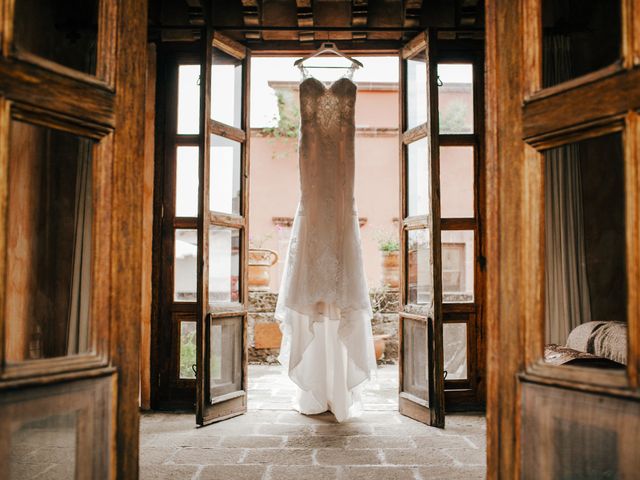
379	344
260	262
390	269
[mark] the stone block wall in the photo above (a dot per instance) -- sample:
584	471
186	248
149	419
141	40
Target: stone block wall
264	332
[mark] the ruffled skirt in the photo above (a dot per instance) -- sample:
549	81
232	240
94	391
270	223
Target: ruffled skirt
325	317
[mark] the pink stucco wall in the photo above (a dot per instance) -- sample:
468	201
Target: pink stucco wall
274	189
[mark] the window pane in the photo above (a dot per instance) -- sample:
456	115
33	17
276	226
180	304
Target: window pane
189	99
185	271
226	155
455	98
579	36
585	250
414	364
458	262
455	350
187	350
226	89
187	181
225	363
224	264
420	284
64	31
49	238
417	90
418	178
456	182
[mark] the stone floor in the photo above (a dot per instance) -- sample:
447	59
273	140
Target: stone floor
271	442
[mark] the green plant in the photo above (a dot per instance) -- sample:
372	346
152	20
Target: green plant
288	118
454	118
387	241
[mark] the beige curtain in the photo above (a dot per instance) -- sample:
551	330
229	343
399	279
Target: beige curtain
78	332
567	289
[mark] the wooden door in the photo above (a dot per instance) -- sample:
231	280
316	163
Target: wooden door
222	292
71	144
421	388
567	95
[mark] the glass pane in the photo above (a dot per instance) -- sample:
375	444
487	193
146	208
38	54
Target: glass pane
455	350
420	284
416	101
418	178
44	448
49	238
64	31
224	264
585	249
456	182
414	365
187	350
458	263
187	181
185	268
225	362
226	89
579	36
188	99
224	196
455	98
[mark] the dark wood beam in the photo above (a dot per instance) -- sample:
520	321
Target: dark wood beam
251	17
305	19
359	18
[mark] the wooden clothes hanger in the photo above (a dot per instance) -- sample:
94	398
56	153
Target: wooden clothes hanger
327	47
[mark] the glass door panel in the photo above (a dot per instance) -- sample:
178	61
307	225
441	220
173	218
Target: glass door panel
224	265
457	178
421	394
222	357
226	162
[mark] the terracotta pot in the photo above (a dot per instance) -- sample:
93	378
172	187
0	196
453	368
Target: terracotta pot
379	344
390	269
260	262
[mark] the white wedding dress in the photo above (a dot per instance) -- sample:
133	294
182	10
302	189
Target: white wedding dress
323	305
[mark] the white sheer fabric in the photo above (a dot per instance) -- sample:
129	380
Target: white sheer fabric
323	306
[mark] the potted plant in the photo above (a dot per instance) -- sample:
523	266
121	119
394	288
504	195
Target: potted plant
260	262
390	248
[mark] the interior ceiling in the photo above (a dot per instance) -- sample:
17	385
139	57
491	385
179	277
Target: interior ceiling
304	23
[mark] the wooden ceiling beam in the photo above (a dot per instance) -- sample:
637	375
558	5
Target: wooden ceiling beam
251	18
359	18
305	19
412	13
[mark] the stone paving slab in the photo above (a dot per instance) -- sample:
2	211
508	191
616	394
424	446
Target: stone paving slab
277	443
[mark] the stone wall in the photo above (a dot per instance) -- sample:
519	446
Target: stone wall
264	332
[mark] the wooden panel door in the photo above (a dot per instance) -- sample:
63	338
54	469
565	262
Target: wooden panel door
71	150
222	294
421	386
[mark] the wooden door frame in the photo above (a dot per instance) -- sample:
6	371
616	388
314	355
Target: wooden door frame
514	282
169	55
112	104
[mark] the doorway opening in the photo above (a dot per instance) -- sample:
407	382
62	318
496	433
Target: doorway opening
263	89
274	196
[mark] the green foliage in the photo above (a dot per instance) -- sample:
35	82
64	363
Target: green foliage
387	241
453	118
187	354
288	119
